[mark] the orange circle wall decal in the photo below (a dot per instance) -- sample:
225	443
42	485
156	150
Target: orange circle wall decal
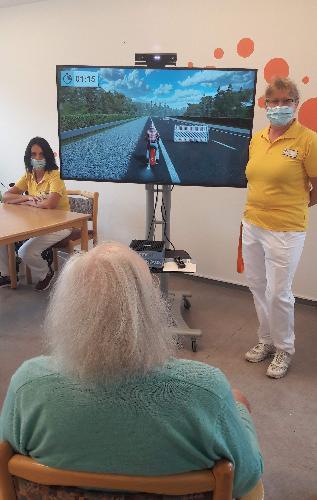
190	64
218	53
245	47
307	114
261	101
276	67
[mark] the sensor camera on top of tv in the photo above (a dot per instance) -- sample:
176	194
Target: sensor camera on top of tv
156	60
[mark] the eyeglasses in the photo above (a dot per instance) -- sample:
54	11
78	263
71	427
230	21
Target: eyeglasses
276	102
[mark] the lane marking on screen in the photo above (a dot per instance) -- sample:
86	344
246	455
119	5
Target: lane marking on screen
222	144
171	169
231	133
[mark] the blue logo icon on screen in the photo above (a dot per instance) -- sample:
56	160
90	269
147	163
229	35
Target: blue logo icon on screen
66	78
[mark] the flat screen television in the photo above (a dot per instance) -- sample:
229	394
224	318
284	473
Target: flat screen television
181	126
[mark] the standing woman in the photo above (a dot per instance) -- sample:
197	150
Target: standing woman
45	190
282	184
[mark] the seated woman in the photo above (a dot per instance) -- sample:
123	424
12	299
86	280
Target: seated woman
110	397
45	189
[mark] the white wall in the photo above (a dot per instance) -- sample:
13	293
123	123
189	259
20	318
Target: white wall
36	37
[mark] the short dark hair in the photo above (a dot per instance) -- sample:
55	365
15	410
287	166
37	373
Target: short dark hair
47	152
279	83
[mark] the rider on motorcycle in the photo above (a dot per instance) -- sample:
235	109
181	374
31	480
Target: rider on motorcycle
152	138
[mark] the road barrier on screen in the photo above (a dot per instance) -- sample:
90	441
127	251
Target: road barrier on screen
191	133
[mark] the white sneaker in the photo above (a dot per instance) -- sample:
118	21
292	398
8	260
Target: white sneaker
260	352
279	366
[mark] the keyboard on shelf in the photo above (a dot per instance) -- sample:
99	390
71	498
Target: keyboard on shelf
153	252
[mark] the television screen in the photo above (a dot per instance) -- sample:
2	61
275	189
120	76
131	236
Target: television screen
182	126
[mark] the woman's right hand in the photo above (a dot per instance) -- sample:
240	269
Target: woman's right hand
26	198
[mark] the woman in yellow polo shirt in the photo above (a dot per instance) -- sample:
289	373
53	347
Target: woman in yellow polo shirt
282	184
45	190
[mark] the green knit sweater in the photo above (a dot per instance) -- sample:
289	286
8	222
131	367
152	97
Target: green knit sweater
178	418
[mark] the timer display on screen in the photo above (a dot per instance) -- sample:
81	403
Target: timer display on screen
76	78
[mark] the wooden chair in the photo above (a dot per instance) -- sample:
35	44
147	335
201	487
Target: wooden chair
63	484
82	202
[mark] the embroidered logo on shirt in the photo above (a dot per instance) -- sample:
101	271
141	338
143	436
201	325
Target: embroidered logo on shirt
291	153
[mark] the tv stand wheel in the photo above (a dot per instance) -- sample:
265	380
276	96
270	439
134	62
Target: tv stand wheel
186	303
194	345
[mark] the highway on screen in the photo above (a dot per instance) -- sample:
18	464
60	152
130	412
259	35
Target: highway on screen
118	154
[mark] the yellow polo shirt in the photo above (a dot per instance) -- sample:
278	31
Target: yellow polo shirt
51	183
278	179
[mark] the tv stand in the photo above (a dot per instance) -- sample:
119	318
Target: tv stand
178	300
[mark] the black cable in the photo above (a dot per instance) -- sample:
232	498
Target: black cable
153	216
163	212
155	207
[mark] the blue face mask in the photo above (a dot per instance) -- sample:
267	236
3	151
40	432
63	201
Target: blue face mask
38	164
280	115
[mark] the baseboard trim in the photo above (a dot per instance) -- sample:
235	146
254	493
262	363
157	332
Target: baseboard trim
227	284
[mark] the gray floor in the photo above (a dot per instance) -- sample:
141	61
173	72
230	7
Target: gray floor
284	410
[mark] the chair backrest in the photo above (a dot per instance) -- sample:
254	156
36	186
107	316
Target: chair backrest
215	483
219	480
87	203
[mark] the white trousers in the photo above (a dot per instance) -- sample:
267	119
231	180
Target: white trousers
271	259
30	253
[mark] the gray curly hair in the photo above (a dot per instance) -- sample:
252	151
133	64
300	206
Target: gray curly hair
279	83
106	318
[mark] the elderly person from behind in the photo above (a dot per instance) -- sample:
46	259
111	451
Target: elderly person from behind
110	397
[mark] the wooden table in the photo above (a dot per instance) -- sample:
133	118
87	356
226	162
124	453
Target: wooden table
19	222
